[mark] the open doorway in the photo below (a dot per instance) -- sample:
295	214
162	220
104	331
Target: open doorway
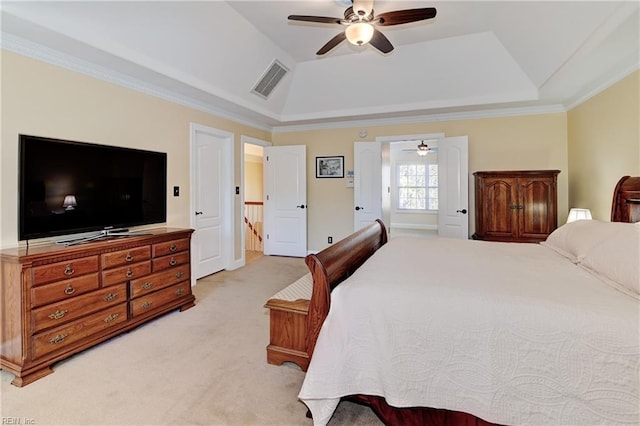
409	186
413	188
253	208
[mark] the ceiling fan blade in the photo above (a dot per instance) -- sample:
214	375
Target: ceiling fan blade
405	16
380	42
332	43
320	19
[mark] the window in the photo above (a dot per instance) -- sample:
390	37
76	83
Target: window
417	186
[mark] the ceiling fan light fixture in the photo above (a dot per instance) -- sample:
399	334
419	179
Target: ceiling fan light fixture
359	33
422	152
363	8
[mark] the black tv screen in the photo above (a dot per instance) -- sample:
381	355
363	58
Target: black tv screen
68	187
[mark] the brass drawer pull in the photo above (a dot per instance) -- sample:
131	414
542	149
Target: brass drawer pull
172	262
129	273
58	339
111	318
179	274
110	297
147	286
173	247
147	304
179	292
68	270
69	290
128	257
58	314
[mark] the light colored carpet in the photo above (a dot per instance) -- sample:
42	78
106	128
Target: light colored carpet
204	366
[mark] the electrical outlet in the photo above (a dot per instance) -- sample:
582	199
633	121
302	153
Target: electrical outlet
330	240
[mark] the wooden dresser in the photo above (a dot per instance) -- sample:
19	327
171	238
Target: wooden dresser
57	301
516	206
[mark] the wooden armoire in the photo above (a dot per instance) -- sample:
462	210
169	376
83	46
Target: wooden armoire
516	206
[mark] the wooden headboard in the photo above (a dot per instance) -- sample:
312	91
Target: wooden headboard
628	188
333	265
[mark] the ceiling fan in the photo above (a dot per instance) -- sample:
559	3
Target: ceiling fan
423	149
360	19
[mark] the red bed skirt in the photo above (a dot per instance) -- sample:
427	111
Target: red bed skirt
417	416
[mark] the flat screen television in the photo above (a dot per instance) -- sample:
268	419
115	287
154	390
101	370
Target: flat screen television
68	187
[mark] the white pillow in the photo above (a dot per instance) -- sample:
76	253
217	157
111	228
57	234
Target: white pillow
617	260
575	239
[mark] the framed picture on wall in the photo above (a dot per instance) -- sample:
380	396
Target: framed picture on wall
330	167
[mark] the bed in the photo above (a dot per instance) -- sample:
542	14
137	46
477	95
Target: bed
445	331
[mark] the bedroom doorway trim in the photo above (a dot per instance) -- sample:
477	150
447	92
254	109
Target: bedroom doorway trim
385	166
240	218
211	199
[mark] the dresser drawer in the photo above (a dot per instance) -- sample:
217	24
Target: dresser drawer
61	337
157	300
158	280
68	310
125	257
172	261
64	289
170	247
125	273
64	270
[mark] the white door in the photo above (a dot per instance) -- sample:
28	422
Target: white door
453	187
367	183
211	200
285	200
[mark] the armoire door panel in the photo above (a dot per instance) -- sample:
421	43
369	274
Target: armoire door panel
516	206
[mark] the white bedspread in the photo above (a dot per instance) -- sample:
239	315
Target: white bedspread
512	333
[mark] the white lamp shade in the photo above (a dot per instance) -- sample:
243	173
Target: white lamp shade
579	214
359	33
69	202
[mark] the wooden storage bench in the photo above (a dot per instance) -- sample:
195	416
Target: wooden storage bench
288	323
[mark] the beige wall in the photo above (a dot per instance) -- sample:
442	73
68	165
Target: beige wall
42	99
253	186
604	145
45	100
511	143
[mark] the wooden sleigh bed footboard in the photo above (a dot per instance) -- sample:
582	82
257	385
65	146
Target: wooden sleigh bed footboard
328	269
333	265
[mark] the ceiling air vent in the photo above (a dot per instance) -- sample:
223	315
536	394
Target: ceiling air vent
270	79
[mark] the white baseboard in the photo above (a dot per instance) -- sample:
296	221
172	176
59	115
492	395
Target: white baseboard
414	226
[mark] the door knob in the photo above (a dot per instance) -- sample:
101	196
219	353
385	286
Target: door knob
359	208
198	213
301	206
463	211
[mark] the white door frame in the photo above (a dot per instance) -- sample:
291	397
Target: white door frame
228	235
253	141
385	190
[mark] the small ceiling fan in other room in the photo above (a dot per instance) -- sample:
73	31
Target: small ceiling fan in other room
360	21
423	149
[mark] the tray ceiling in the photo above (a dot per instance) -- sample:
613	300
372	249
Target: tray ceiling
474	56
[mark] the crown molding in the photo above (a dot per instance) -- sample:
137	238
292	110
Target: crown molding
426	118
42	53
603	86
